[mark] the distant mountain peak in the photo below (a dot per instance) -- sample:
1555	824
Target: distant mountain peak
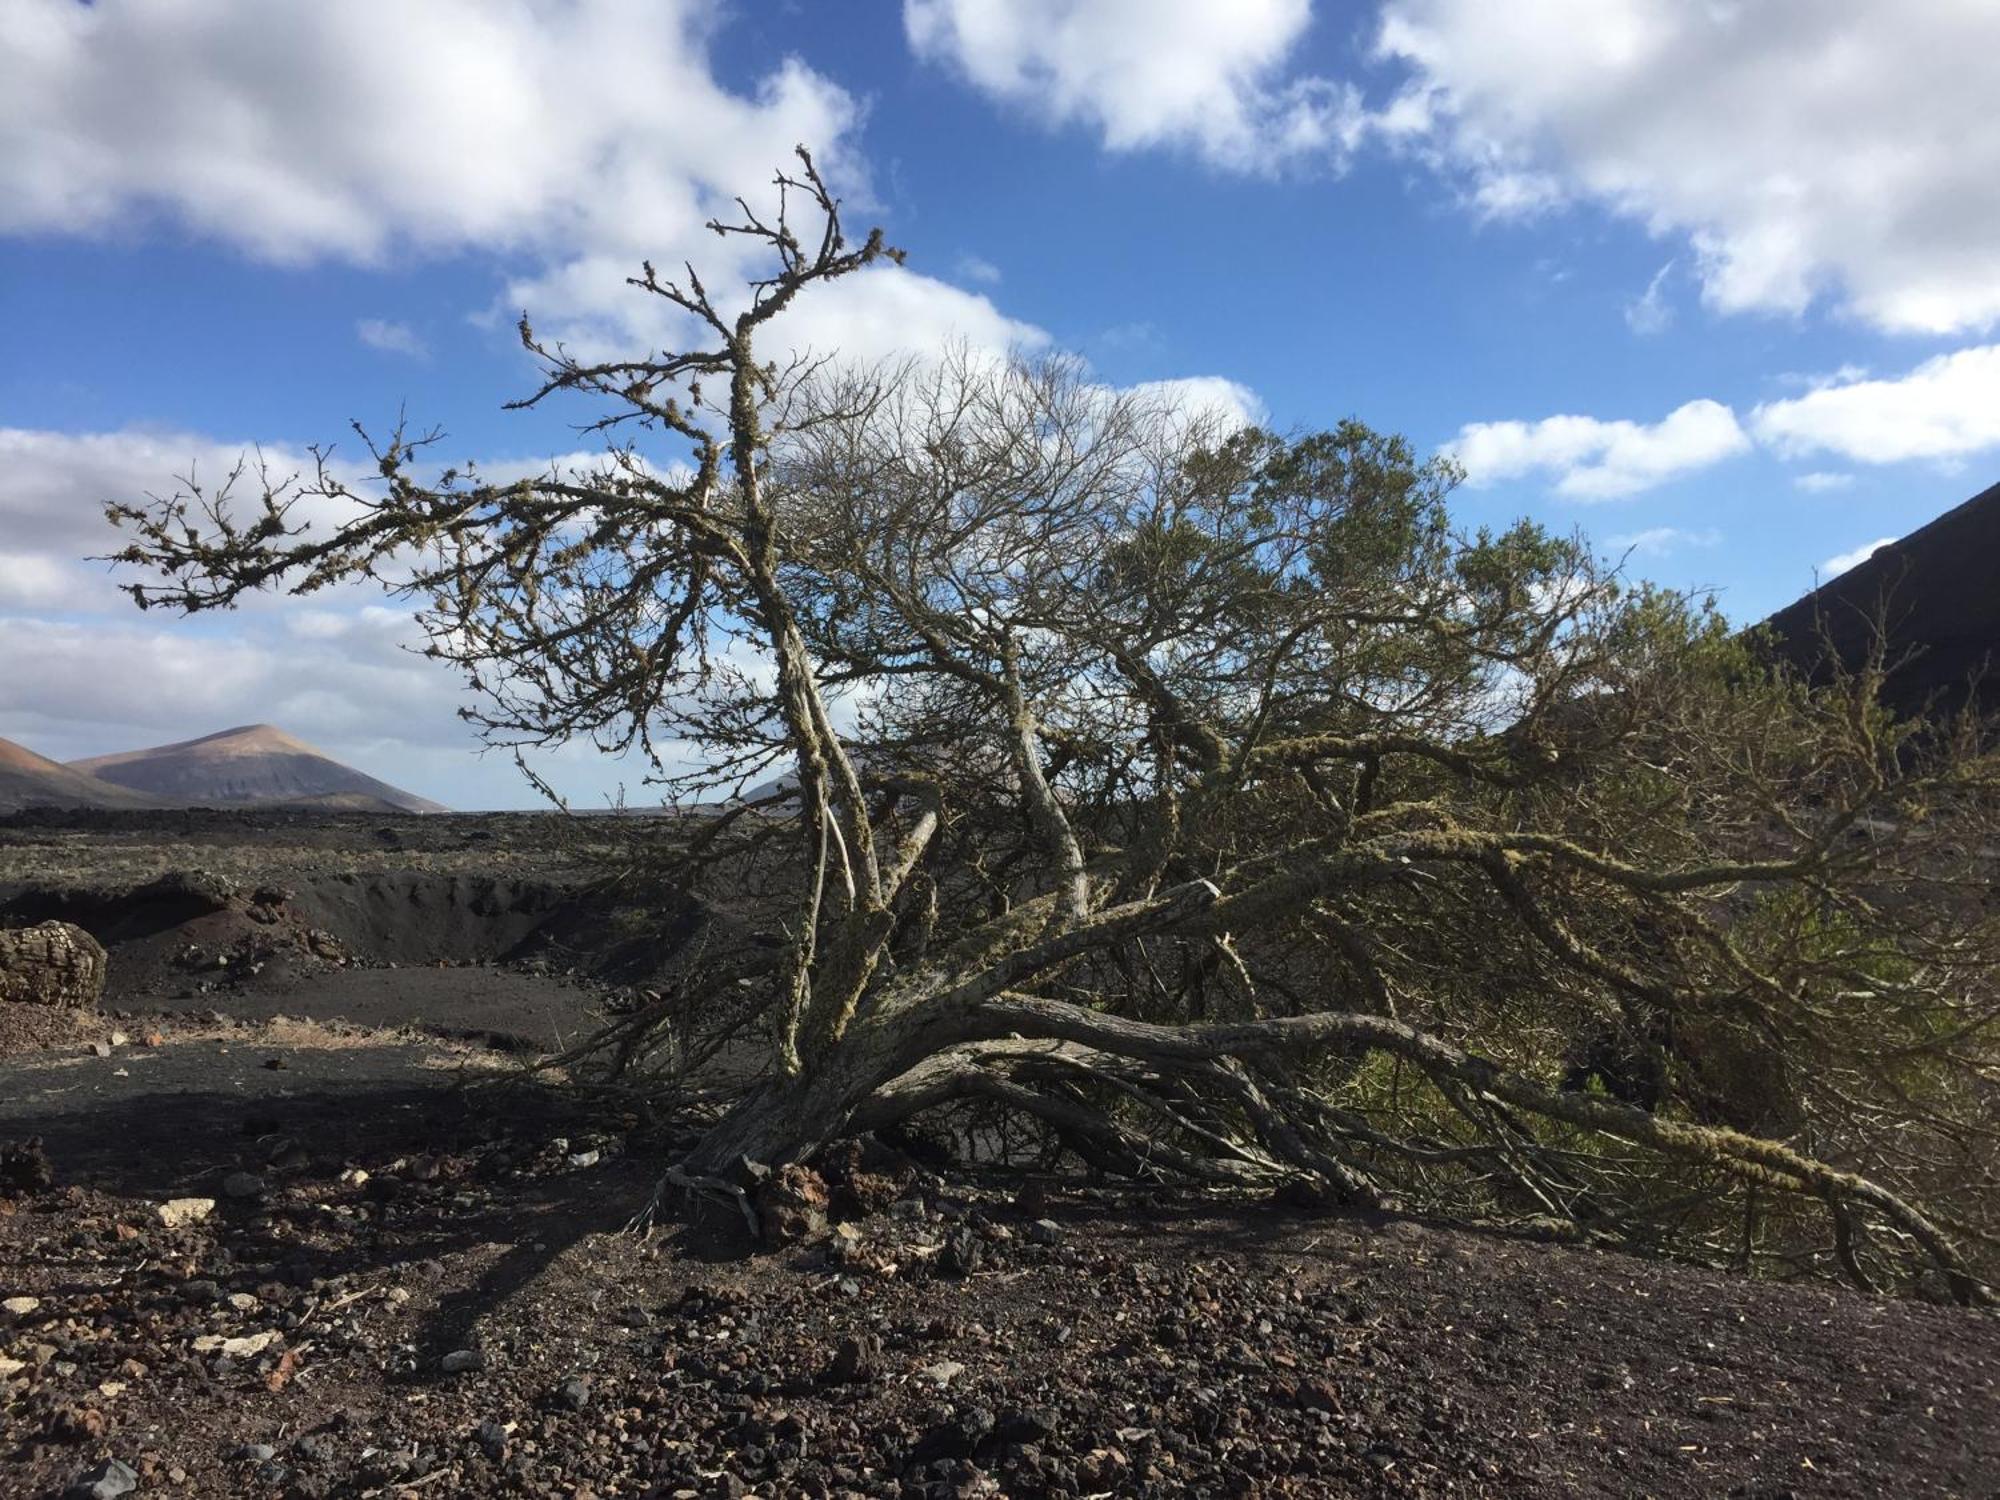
31	780
15	757
244	739
247	766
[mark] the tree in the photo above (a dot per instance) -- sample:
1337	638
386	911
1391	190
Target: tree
1201	794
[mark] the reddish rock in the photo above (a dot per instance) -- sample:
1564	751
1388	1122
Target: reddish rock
791	1204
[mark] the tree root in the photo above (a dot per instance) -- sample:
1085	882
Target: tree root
691	1183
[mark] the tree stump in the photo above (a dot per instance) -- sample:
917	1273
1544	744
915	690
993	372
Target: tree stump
56	964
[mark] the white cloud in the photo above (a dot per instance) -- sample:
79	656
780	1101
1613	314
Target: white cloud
978	268
390	338
299	130
1207	397
1813	380
577	139
35	580
1945	409
1649	312
1186	74
1658	541
1822	483
1803	146
1833	567
1600	460
54	487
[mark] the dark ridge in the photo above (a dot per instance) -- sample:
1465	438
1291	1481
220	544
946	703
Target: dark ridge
1934	596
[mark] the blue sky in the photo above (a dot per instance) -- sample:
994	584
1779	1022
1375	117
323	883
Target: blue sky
1717	284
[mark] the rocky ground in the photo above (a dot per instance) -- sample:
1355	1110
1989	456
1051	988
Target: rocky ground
292	1260
250	1256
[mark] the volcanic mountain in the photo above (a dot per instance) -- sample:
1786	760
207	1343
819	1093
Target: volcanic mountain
255	765
1934	599
31	780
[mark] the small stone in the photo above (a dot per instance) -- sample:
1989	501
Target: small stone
964	1253
119	1039
857	1359
77	1424
460	1360
25	1169
944	1372
178	1212
1044	1232
246	1347
242	1185
105	1481
10	1367
957	1437
573	1394
493	1438
20	1307
586	1158
256	1453
243	1302
1025	1424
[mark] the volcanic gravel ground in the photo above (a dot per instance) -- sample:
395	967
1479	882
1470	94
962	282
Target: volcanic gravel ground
407	1287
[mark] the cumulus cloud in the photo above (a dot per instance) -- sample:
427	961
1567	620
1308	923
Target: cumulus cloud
1207	398
53	490
390	338
1803	146
577	139
1183	74
158	678
54	487
1833	567
299	130
1593	459
35	580
1945	409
